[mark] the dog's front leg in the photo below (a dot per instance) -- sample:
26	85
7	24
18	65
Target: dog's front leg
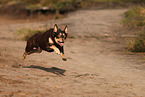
59	52
62	54
63	57
55	49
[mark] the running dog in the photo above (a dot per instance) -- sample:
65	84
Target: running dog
51	40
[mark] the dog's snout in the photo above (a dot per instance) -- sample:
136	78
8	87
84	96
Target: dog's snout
61	40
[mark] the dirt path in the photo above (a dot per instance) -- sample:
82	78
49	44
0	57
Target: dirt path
95	66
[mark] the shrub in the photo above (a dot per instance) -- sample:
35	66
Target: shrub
26	33
135	17
138	44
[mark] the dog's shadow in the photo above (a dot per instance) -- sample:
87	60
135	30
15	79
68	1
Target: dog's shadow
53	70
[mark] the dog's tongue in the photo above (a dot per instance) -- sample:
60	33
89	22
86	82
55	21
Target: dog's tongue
61	44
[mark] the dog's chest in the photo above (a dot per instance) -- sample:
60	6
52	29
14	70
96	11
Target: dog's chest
50	40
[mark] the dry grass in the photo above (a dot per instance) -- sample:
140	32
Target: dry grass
26	33
61	3
137	44
135	19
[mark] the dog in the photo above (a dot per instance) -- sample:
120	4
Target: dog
50	41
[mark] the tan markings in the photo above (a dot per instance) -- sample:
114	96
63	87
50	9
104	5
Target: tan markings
56	40
63	56
24	55
55	49
60	39
50	40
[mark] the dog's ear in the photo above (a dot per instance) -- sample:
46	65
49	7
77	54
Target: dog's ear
55	28
65	29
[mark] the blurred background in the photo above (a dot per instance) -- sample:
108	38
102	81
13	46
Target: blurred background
37	8
103	38
26	11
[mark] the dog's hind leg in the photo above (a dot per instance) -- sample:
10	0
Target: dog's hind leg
28	49
36	50
32	51
24	55
32	46
39	50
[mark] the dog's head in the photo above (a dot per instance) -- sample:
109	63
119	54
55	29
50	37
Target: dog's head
60	35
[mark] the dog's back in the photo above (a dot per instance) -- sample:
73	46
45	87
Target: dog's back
39	40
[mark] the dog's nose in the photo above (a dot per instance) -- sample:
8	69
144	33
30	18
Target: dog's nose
62	40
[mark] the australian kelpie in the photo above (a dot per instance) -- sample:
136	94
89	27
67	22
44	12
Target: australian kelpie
51	40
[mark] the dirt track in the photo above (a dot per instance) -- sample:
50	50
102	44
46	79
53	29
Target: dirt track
96	66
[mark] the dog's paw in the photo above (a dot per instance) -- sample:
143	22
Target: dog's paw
64	59
23	58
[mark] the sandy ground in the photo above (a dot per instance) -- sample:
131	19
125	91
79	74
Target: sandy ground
97	64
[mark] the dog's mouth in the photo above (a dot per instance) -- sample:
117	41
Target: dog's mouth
61	43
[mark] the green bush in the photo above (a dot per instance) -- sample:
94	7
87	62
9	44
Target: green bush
138	44
134	17
26	33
